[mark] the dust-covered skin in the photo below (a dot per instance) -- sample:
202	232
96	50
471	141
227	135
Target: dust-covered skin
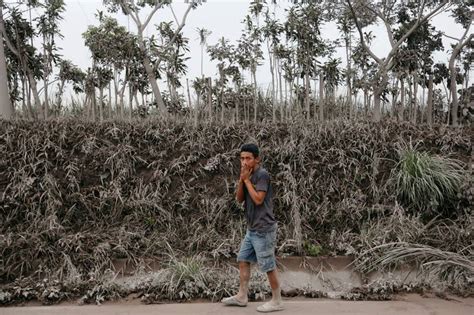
409	304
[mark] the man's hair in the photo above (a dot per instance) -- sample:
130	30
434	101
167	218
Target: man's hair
252	148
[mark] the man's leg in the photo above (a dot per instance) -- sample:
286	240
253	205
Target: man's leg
244	268
245	257
265	251
275	285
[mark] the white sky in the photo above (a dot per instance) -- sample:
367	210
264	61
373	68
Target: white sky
223	18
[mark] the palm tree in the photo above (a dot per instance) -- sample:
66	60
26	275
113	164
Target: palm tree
203	35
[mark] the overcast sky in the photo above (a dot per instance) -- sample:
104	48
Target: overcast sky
222	17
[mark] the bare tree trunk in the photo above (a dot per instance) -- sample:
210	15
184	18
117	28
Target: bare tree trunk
410	100
395	100
152	79
402	100
209	97
272	72
189	94
221	93
415	97
109	101
202	60
237	107
423	104
453	74
86	107
6	111
34	89
122	103
366	101
429	107
377	99
94	105
254	74
23	98
101	103
197	108
315	100
59	95
130	102
245	110
321	97
282	110
348	76
137	102
286	115
356	103
222	111
28	100
45	79
291	100
306	98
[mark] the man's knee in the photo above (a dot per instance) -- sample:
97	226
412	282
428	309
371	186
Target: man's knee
244	265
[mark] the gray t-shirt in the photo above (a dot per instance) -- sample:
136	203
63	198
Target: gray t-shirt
260	218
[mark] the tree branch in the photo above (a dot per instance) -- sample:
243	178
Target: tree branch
7	40
156	8
176	33
130	13
413	28
461	44
450	37
386	22
422	8
359	29
174	15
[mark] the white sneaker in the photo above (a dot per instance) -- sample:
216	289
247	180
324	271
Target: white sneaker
270	307
233	301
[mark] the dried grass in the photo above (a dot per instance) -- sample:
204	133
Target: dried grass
76	195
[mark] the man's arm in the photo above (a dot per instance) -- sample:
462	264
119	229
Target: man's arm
240	196
257	196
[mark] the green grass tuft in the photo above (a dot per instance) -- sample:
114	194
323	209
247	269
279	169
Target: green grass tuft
426	182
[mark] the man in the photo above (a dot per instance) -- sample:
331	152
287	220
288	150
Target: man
258	245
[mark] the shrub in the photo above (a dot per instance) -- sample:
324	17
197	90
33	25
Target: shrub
426	182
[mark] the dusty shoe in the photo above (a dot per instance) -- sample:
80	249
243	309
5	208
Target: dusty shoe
270	307
233	301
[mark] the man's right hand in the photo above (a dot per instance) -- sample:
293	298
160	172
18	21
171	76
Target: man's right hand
245	173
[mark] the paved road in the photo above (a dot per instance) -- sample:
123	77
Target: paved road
404	305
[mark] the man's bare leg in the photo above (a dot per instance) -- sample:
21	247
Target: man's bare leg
275	304
275	285
244	268
241	298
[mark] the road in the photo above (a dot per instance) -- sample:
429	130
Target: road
411	304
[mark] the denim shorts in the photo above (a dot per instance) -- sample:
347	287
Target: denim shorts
259	247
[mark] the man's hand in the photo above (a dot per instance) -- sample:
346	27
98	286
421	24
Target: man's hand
245	173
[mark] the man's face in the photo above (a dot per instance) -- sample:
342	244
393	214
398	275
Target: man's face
248	160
